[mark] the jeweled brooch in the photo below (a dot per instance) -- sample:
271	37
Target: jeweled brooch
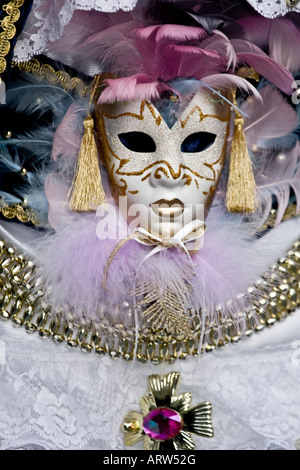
167	421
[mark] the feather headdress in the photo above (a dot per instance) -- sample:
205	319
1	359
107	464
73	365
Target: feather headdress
144	59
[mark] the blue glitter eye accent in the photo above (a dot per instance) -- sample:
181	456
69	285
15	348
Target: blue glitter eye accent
138	142
198	142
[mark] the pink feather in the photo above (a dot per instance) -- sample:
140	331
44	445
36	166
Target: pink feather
269	69
273	119
284	44
242	46
229	81
171	32
56	193
69	133
220	42
130	88
276	179
179	61
84	27
183	49
256	29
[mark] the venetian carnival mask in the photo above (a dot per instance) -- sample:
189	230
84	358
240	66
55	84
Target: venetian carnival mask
167	173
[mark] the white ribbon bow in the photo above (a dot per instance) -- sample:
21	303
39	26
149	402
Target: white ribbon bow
192	232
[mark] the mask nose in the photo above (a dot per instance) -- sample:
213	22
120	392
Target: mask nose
167	175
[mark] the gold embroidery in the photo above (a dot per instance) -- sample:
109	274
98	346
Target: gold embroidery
188	179
175	175
9	30
47	72
203	116
147	176
210	194
140	116
23	214
159	170
164	309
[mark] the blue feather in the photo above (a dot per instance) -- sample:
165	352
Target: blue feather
33	112
8	165
8	199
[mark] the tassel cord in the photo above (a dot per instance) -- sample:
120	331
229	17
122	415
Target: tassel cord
86	191
241	188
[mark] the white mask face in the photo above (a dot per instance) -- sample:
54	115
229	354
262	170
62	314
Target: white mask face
158	167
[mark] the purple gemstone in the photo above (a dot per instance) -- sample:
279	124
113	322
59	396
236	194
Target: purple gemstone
162	424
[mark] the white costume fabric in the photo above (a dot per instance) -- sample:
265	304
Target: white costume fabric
55	398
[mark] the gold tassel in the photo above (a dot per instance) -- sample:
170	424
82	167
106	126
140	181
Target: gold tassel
87	192
241	188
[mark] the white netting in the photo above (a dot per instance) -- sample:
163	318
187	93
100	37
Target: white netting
273	8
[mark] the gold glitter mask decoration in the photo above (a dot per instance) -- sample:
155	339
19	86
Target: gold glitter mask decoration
153	163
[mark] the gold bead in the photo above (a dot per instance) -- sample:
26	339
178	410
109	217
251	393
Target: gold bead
8	134
23	171
131	427
173	98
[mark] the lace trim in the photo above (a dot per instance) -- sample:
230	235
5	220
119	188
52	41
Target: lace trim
9	30
47	20
22	301
275	8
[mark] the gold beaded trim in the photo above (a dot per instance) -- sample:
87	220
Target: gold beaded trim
22	300
23	214
9	30
291	211
55	77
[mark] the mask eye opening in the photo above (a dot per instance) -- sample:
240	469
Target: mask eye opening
198	142
139	142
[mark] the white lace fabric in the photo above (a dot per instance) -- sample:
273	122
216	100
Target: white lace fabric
273	8
48	18
61	399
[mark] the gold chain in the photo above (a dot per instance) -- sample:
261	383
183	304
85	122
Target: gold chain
8	29
22	300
